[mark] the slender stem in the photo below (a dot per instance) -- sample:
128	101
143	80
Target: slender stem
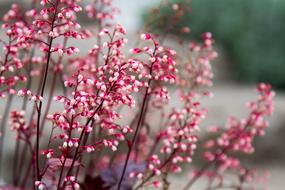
72	163
31	121
209	164
80	141
53	84
6	111
51	92
38	177
48	104
3	128
90	119
61	172
85	140
15	161
161	167
135	135
95	157
82	134
143	122
65	157
28	146
16	174
48	147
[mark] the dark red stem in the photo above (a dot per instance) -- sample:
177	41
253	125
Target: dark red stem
135	135
38	177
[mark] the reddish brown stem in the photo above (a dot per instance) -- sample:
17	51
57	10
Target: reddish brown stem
77	149
6	111
135	135
24	149
52	88
82	135
16	168
38	177
53	85
3	128
161	167
65	157
208	165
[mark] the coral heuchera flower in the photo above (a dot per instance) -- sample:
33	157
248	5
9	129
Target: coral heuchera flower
123	119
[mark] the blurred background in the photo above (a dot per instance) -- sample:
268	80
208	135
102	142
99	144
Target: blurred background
250	40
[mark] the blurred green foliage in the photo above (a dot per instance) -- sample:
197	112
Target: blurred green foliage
251	31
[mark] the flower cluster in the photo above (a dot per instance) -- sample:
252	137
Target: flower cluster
240	134
101	10
11	63
198	71
238	137
18	124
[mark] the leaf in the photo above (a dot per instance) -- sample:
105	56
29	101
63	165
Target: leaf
56	162
53	164
111	176
91	183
